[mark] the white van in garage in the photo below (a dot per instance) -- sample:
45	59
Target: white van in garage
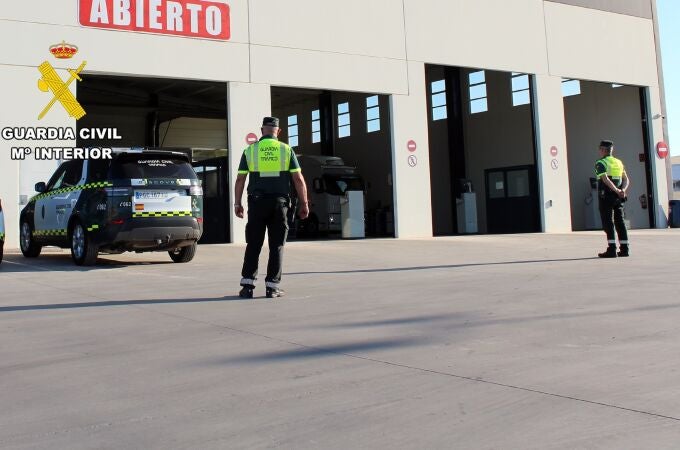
327	178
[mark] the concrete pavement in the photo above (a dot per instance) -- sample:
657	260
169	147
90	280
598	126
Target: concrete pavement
470	342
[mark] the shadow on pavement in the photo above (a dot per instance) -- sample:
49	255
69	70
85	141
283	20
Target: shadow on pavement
307	352
229	298
399	321
442	266
62	262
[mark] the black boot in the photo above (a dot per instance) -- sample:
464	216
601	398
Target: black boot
274	292
246	292
623	251
609	253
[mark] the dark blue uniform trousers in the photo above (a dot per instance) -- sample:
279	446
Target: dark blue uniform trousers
265	213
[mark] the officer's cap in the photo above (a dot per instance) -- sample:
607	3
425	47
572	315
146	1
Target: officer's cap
270	122
607	144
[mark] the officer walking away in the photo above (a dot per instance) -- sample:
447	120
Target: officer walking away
271	165
613	183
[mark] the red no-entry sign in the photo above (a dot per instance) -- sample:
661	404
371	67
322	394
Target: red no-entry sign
553	151
662	149
411	145
251	138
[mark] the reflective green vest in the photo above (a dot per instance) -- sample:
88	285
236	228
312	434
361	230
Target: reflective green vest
269	157
610	166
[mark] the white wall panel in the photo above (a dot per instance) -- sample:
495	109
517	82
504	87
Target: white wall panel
550	132
413	208
119	53
312	69
659	171
42	11
491	34
600	46
248	104
359	27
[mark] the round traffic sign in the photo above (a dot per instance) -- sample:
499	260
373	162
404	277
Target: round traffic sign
662	149
555	164
553	151
251	138
412	160
411	145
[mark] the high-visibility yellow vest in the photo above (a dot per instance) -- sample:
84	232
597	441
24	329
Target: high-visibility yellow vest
613	168
269	157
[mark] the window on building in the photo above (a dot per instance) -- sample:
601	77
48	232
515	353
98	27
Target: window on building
293	130
316	126
438	99
676	177
343	120
520	89
570	87
372	114
478	101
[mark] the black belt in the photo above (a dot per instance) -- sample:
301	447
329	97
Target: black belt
257	196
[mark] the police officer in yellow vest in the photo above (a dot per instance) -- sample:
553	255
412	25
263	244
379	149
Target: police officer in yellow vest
613	183
271	165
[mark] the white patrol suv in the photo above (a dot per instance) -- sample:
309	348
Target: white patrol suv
138	201
2	232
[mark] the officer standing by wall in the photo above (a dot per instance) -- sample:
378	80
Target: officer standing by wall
271	165
613	183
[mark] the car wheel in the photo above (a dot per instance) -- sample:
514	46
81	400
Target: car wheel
184	254
83	251
29	247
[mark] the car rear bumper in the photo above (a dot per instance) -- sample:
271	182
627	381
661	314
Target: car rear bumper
150	234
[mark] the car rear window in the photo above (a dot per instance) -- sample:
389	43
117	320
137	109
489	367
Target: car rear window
151	166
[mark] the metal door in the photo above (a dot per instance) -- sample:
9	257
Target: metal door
214	176
512	200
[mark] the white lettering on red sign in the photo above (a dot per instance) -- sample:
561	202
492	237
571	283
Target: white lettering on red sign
192	18
251	138
662	149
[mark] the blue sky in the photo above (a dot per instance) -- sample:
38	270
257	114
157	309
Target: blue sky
669	18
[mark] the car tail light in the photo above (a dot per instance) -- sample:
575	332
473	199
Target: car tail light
117	221
199	219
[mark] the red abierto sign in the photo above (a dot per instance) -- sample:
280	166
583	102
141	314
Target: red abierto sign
192	18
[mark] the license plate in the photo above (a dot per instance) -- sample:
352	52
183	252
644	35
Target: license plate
151	195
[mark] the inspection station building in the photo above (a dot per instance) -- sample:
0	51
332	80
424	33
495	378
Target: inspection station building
461	116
